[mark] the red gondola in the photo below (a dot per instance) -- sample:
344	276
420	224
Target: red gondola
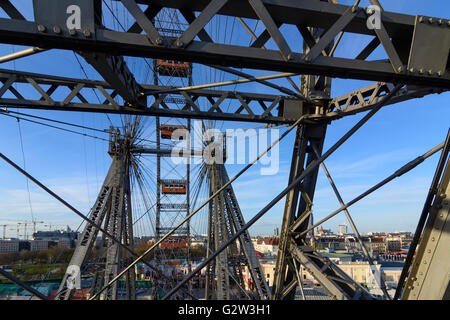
173	68
174	242
173	188
167	131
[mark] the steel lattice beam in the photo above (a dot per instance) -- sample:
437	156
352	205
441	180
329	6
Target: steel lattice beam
264	108
404	39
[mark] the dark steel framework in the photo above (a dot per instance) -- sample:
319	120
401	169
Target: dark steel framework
417	64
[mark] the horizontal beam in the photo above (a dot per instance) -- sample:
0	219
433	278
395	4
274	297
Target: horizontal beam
397	28
365	98
264	107
246	107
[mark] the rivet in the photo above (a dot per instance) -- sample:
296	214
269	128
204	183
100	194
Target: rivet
159	41
87	33
72	32
41	28
420	19
421	71
412	70
440	21
430	20
430	72
432	239
56	29
179	43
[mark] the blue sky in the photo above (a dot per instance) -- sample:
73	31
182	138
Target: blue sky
75	166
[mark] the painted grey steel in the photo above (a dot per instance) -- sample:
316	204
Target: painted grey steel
313	166
111	209
398	29
338	284
429	278
263	106
401	171
431	220
254	266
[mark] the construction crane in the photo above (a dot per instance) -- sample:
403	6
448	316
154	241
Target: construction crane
4	230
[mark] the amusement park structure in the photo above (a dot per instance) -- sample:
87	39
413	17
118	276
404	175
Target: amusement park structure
416	64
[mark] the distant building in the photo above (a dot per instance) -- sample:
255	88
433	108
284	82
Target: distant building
393	244
38	245
9	246
58	235
268	245
378	244
276	232
65	238
342	229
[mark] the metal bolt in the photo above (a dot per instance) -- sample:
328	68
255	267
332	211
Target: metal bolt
430	72
421	71
439	73
72	32
440	21
159	41
412	70
420	19
430	20
179	43
87	33
56	29
432	239
41	28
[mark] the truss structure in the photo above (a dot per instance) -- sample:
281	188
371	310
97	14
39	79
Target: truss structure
416	64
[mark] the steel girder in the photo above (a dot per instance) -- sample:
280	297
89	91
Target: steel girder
416	46
298	203
225	219
78	96
61	93
251	260
113	209
427	267
365	98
